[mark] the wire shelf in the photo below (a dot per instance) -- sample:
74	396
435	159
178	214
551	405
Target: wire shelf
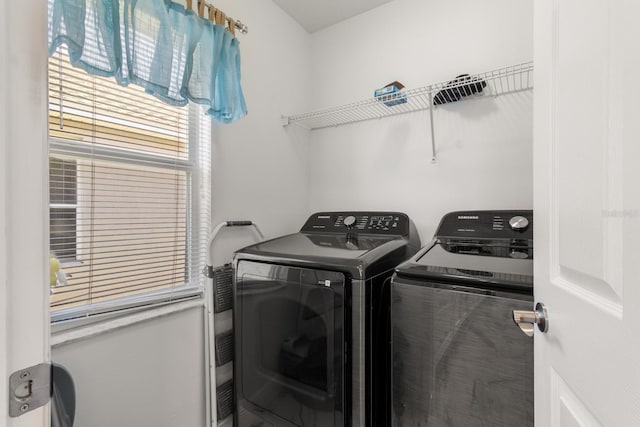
511	79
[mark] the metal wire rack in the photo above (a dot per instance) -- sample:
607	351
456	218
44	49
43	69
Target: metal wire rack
501	81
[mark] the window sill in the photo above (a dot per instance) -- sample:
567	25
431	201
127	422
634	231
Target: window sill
101	325
69	263
81	322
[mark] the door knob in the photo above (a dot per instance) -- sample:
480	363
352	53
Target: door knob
526	319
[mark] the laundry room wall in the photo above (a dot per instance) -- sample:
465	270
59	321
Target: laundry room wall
145	374
483	145
260	171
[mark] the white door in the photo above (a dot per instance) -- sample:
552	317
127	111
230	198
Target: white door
24	298
587	212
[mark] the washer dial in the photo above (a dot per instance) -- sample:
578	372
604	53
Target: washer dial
349	221
518	223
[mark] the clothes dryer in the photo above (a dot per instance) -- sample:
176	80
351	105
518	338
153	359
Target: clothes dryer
311	321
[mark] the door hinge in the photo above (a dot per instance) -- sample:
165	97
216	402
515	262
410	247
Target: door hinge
29	388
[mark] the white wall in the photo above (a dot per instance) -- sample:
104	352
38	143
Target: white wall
484	145
148	374
259	169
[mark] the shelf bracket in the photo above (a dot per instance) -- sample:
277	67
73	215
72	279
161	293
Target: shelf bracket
284	120
433	137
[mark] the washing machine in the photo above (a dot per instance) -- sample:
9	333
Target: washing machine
458	358
312	322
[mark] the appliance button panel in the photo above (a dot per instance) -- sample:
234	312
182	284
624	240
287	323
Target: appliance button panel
487	225
357	222
384	223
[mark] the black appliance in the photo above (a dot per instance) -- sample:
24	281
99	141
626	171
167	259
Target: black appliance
311	321
458	358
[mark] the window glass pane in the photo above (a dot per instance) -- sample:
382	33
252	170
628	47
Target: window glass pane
62	223
62	181
131	232
129	189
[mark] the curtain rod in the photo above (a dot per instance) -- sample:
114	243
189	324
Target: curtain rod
218	17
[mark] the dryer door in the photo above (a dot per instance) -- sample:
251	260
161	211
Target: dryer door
289	326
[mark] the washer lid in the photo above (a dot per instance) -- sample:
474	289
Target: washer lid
435	262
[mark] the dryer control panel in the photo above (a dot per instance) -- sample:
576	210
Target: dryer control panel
384	223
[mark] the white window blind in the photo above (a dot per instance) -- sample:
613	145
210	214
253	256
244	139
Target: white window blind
129	191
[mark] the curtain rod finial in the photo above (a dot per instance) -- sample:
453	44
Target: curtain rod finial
242	27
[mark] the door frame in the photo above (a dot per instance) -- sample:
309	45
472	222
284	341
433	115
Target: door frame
4	342
24	275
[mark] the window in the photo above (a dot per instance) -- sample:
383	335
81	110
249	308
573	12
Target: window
63	198
129	191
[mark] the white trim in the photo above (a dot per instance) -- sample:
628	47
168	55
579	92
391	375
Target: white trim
100	328
123	306
25	302
63	205
4	342
72	149
209	358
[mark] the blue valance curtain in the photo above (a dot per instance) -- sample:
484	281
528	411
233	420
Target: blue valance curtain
157	44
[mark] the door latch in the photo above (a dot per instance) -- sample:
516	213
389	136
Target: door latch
526	319
29	388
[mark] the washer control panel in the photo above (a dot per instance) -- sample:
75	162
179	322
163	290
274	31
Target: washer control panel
487	225
385	223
